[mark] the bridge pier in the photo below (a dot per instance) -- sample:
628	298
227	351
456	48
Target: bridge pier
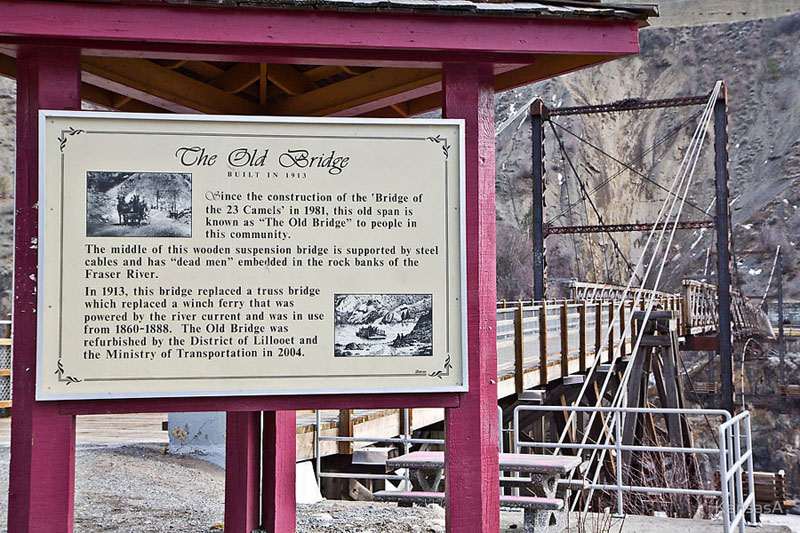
538	118
723	217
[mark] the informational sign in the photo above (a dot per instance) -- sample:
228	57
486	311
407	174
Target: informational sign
209	256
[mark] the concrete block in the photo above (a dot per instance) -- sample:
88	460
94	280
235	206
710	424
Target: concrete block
306	489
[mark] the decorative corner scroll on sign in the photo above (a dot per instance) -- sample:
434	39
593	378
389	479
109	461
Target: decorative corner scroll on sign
61	377
444	372
63	139
443	141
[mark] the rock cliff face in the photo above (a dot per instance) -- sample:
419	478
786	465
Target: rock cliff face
759	62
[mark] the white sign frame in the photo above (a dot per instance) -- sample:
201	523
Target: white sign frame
46	144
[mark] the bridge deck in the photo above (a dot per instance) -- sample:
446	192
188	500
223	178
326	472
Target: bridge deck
576	329
564	322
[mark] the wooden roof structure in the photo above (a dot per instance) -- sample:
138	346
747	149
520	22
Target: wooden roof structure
308	57
381	58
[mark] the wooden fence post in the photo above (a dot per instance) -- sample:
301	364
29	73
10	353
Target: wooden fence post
564	339
622	339
346	429
519	348
543	343
582	343
598	329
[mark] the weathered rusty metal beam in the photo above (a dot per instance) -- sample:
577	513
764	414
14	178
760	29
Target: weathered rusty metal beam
725	345
538	118
616	228
630	104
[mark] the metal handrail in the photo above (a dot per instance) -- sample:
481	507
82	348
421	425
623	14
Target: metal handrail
732	460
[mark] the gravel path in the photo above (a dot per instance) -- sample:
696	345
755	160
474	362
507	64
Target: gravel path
137	489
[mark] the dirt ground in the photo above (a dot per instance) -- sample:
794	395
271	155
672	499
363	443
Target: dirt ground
138	489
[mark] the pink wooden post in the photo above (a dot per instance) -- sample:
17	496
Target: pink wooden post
471	448
42	440
242	472
242	440
278	491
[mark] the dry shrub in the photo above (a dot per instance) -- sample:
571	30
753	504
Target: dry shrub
514	263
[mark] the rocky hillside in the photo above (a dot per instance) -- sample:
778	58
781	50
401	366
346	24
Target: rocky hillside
383	308
758	59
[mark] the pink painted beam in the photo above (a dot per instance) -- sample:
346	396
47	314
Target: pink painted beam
242	463
286	55
374	32
471	448
42	440
278	504
257	403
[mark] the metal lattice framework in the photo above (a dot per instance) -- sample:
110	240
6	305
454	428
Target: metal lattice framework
698	305
618	228
631	104
701	312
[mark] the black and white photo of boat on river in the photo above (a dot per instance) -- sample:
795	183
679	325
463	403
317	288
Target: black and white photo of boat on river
383	325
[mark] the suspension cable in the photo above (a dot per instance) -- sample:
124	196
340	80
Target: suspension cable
695	150
591	202
771	273
676	182
628	166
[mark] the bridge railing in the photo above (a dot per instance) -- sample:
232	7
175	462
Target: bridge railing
584	291
701	312
697	306
575	332
733	454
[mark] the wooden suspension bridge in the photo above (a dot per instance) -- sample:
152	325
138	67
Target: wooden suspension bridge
551	364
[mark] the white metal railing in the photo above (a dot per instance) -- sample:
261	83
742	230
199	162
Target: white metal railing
405	439
733	458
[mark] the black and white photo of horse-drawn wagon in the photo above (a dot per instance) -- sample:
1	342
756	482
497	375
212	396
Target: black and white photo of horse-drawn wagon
138	204
133	212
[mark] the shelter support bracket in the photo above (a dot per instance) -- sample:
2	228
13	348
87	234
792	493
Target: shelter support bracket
247	435
42	472
471	446
241	470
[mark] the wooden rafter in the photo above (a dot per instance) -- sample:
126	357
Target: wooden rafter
118	101
401	109
144	85
90	93
322	72
374	85
263	70
289	79
355	71
8	66
149	82
203	68
545	67
237	78
172	63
